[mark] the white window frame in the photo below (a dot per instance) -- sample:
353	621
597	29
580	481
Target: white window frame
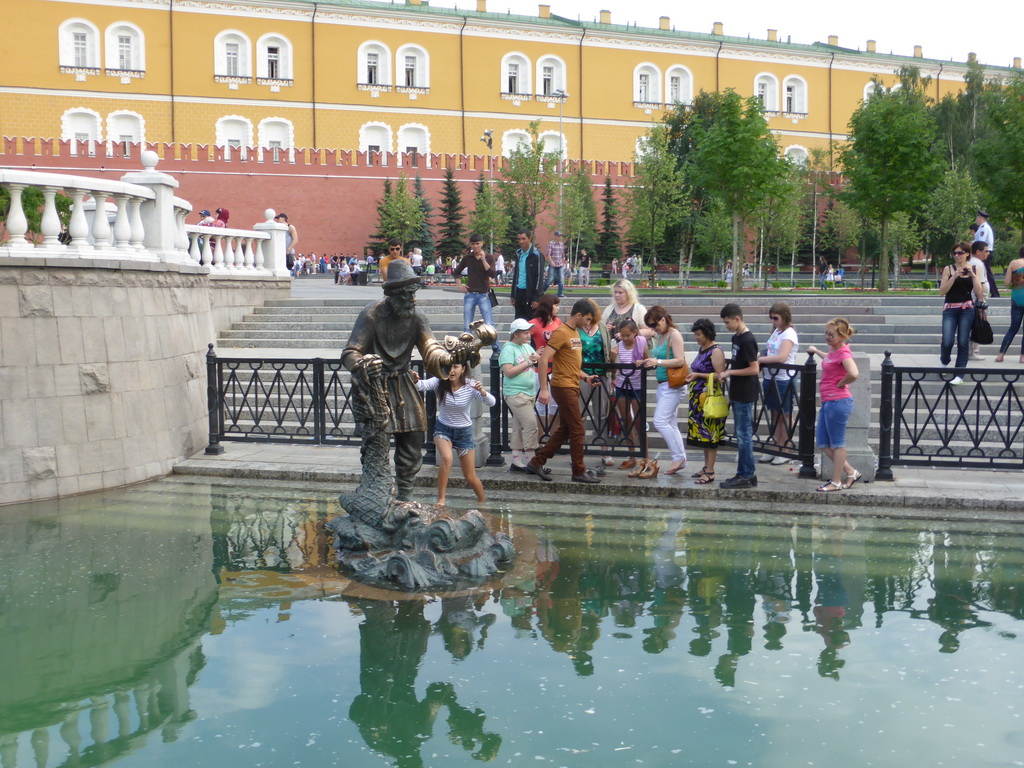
512	139
220	56
559	139
558	75
370	133
66	44
766	88
384	64
524	87
268	136
685	82
69	126
422	134
422	62
798	155
800	95
114	131
653	94
138	47
224	139
284	61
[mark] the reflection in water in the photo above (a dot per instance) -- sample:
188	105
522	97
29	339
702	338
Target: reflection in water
145	584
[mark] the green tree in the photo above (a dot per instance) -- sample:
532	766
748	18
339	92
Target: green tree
579	214
951	208
452	244
1000	157
529	180
425	236
402	216
609	244
841	229
713	236
963	118
892	161
488	217
782	216
736	159
905	240
657	192
378	241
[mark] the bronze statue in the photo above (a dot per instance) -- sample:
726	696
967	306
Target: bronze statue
385	536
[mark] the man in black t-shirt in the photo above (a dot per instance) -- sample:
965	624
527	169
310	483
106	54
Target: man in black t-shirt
743	390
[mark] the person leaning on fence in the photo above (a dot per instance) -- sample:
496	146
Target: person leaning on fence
666	351
838	371
565	353
1014	280
704	432
959	284
518	361
778	389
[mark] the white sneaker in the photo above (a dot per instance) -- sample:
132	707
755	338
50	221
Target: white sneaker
765	459
976	356
956	380
779	460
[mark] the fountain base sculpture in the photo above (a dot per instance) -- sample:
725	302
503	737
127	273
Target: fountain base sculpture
385	540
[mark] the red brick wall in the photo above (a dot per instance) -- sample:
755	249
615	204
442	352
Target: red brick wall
329	196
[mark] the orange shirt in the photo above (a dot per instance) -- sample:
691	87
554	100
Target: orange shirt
568	357
383	264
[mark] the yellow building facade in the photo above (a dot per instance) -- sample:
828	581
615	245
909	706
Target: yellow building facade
402	77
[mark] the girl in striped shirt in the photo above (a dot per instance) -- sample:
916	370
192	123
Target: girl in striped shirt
453	429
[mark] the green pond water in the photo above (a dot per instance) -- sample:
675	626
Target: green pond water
186	622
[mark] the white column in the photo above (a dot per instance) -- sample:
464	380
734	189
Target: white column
274	256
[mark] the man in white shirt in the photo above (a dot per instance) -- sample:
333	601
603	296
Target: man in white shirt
985	230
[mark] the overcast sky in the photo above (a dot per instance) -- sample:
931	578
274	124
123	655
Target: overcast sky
945	30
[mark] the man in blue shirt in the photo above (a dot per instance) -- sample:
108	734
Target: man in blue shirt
556	264
527	275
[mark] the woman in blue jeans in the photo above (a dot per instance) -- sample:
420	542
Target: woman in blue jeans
1015	281
959	284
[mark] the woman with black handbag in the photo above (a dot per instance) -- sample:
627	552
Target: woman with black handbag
959	281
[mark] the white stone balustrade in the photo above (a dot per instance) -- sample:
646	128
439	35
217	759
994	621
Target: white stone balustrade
143	222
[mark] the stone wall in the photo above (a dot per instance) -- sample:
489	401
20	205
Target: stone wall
102	369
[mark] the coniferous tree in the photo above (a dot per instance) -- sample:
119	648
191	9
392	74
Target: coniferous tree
425	237
379	239
609	244
488	217
452	243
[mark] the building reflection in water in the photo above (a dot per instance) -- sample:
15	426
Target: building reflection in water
133	602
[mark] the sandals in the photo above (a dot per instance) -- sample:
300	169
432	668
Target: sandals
705	477
629	463
674	469
701	472
831	487
650	471
637	468
851	479
608	461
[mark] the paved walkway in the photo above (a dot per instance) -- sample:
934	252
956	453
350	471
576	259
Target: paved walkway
960	494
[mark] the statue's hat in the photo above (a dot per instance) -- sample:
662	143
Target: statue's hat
400	275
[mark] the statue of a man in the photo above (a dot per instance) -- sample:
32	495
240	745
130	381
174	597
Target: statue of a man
380	347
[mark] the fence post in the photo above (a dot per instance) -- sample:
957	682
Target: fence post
213	403
496	458
808	415
319	403
429	449
885	412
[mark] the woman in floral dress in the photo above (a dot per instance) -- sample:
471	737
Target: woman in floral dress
702	432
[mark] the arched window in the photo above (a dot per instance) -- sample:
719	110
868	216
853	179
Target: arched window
375	137
412	63
515	75
274	57
794	95
235	132
554	143
276	133
797	155
766	90
647	84
550	75
678	85
232	55
125	127
79	46
126	47
374	64
414	137
81	125
512	140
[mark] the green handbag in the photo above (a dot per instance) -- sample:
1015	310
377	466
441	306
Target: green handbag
716	406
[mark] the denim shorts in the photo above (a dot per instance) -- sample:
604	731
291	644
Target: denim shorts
627	393
779	394
461	438
832	420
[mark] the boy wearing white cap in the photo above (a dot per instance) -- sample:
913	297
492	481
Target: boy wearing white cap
517	360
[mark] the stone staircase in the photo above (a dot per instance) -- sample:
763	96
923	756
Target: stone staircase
909	327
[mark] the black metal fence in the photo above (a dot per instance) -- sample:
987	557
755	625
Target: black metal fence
927	420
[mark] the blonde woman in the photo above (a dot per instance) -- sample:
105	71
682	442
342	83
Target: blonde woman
838	371
625	306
